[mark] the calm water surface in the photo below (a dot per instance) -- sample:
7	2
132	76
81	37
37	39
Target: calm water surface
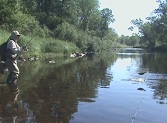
105	88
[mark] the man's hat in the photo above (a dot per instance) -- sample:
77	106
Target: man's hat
15	33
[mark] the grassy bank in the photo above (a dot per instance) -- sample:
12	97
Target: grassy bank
42	47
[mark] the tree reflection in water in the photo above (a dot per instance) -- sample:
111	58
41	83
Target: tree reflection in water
53	92
160	92
157	76
12	110
8	105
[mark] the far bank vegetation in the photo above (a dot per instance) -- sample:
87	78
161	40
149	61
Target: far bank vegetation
65	26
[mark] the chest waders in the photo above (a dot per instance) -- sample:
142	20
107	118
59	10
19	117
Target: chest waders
11	63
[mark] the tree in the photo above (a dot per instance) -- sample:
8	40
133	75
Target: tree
111	35
106	19
133	40
7	9
147	32
86	10
28	6
160	21
68	11
95	23
154	31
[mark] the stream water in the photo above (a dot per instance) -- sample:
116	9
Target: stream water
125	86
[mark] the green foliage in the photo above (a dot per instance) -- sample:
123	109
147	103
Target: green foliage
94	24
106	19
87	10
79	23
27	25
28	6
47	32
58	47
153	32
83	40
51	21
69	11
67	32
7	9
129	40
4	35
39	46
33	43
134	40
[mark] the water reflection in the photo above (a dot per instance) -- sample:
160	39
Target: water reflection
8	106
12	110
25	113
160	92
154	64
157	65
54	92
57	90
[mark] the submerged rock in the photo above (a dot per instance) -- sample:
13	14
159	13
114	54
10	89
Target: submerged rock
141	73
141	89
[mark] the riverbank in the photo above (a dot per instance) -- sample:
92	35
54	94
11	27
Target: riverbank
40	47
49	46
162	48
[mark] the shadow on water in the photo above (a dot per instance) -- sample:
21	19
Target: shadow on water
157	79
51	92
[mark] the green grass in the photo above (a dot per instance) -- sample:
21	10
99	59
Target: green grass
4	35
42	46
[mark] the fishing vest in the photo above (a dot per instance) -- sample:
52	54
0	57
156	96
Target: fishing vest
10	54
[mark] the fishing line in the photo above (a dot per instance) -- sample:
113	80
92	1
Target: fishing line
134	117
30	40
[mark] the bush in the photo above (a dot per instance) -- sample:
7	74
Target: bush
4	35
34	44
58	47
66	32
28	25
25	24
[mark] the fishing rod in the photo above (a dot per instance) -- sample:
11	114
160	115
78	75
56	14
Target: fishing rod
30	40
26	47
134	117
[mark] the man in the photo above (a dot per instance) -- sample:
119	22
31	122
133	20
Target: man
13	50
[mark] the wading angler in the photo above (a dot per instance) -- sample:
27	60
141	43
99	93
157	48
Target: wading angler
13	50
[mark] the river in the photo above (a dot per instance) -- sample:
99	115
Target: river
124	86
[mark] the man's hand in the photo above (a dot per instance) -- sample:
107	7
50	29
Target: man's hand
25	48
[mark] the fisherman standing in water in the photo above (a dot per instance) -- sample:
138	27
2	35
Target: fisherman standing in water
13	50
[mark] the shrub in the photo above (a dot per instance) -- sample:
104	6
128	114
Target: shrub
4	35
25	24
58	47
67	32
28	25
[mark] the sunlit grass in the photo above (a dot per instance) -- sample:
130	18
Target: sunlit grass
4	35
44	47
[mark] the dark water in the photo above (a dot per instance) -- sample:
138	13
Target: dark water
106	88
